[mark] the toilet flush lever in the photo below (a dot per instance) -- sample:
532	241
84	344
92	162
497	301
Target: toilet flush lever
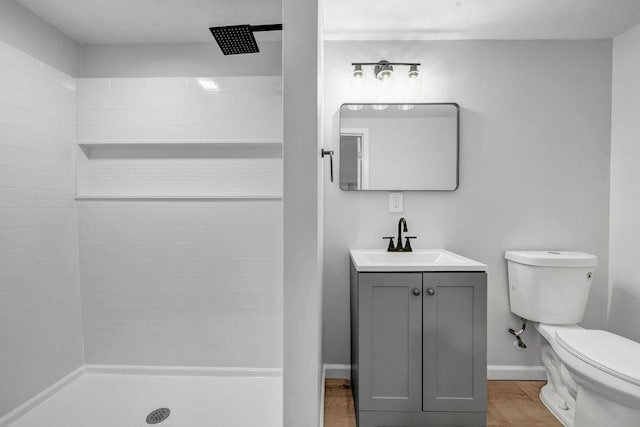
329	153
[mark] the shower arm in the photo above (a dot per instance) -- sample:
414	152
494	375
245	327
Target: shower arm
268	27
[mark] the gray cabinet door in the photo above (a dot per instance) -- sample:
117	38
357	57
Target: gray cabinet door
454	342
390	342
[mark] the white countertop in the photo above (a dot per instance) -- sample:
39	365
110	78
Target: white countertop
366	260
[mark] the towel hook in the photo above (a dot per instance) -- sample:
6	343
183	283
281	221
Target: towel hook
329	153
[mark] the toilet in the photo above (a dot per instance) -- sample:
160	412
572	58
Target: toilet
593	376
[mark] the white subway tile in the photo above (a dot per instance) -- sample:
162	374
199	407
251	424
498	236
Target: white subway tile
169	85
84	86
129	85
40	318
207	274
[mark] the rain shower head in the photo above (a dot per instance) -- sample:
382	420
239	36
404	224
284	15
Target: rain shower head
238	39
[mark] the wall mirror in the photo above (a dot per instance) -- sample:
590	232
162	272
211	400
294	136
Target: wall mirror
399	147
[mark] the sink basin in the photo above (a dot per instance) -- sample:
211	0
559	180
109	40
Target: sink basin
418	260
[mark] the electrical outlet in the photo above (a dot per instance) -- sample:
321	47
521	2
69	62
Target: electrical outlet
396	203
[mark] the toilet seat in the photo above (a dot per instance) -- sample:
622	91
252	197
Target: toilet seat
608	352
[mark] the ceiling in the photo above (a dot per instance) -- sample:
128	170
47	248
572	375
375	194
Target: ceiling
187	21
153	21
478	19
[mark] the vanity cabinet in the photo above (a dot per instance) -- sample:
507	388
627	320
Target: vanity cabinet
418	348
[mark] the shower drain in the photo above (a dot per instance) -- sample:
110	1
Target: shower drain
158	416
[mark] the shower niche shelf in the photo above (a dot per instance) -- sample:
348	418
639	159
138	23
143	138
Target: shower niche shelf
170	169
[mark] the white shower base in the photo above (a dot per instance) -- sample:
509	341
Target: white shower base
120	396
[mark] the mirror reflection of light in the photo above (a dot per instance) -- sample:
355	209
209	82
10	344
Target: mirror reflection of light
405	107
379	107
355	107
208	84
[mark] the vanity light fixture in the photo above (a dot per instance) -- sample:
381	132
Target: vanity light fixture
355	107
383	70
405	107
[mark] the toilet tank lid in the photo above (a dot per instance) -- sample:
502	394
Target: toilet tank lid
553	258
608	352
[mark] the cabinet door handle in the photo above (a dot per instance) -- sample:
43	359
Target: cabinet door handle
431	291
416	292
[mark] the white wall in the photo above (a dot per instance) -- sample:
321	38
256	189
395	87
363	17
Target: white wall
534	168
190	283
40	323
624	315
302	215
26	31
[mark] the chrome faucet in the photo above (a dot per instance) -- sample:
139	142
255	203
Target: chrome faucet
402	225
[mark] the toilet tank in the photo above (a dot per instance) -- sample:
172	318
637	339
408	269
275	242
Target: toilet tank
550	286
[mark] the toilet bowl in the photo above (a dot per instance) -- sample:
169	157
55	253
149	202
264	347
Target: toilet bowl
593	376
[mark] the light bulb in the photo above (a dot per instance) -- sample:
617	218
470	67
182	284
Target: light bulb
379	107
405	107
383	70
384	74
413	72
358	73
355	107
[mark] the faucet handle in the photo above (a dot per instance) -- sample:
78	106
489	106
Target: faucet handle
391	246
407	245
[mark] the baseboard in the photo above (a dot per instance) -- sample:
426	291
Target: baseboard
494	372
337	371
516	372
40	397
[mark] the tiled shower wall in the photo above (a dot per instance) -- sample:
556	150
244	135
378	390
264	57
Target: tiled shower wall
190	283
40	318
225	109
182	283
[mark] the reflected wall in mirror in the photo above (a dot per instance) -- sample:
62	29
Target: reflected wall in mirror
399	146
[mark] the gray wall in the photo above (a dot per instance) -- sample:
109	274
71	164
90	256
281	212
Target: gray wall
534	169
28	32
624	316
178	60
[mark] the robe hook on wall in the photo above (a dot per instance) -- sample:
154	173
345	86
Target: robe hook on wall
329	153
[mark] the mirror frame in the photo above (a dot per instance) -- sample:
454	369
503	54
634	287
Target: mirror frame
454	104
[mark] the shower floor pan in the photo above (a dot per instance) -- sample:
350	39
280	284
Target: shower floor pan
110	397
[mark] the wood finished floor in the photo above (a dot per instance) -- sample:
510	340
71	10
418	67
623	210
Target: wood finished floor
510	404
